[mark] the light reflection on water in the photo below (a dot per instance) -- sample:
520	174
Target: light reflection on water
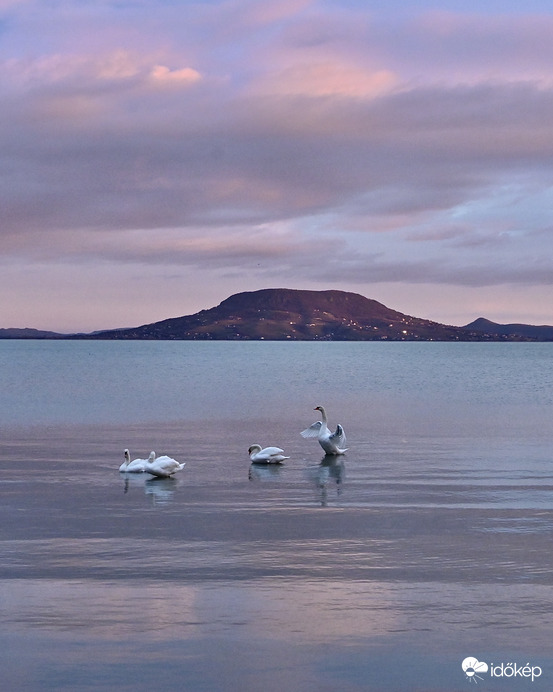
304	630
316	573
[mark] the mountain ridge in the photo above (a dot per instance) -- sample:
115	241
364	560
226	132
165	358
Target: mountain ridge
540	332
28	333
301	315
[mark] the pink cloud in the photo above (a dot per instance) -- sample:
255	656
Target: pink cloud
328	78
84	70
164	76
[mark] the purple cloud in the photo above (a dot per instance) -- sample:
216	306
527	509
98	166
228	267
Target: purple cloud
333	143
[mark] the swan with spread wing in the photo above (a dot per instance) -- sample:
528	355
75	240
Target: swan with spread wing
331	442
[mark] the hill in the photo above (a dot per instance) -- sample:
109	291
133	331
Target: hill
288	314
26	333
529	331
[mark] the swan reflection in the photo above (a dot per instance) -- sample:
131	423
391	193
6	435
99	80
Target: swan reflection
331	470
265	472
134	481
159	490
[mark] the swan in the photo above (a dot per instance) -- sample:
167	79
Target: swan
134	466
163	467
268	455
331	442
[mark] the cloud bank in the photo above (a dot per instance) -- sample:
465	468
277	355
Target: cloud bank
292	142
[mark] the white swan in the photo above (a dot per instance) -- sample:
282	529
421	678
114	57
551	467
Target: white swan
268	455
163	467
134	466
331	442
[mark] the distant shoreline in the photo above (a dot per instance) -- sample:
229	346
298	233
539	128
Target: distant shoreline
282	314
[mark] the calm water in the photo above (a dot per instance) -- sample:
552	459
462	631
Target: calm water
428	542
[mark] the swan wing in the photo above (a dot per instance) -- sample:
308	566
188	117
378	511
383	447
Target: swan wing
134	466
164	466
339	437
264	458
163	460
271	451
264	454
312	430
156	470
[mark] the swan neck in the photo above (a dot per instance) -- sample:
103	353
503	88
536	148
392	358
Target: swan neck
323	414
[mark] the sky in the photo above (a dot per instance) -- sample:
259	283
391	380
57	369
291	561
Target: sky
157	156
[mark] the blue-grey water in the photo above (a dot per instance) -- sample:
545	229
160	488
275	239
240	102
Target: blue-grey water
428	542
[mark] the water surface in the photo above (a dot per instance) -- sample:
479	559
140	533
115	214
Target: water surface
428	542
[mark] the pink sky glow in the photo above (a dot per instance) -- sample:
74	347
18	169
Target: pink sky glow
159	156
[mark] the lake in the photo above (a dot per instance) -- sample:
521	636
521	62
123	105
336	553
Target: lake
428	544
